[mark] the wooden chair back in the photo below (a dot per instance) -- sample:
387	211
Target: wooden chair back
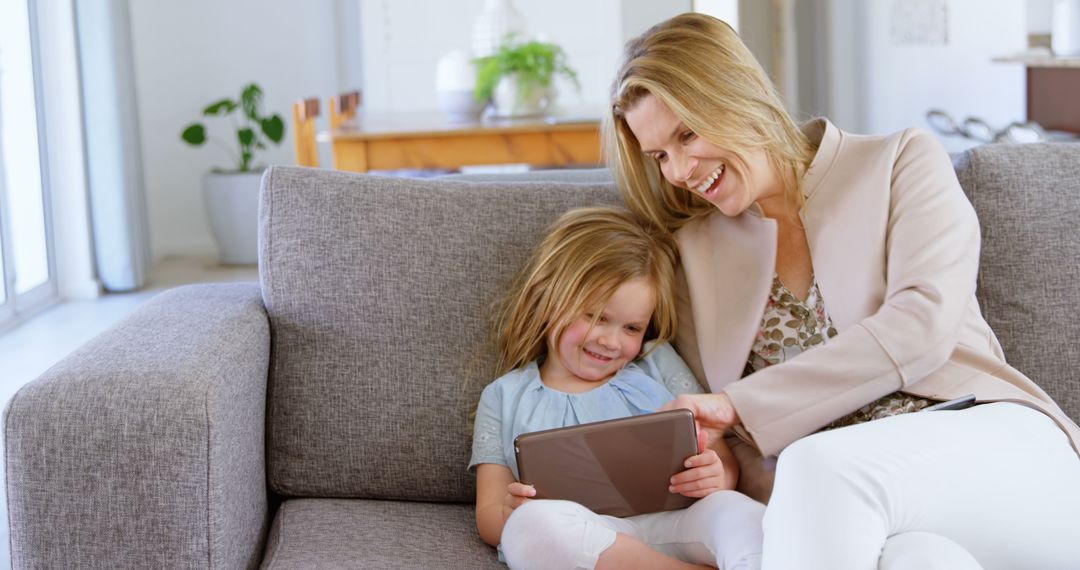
343	109
305	112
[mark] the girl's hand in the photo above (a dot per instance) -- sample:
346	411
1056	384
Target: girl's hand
705	472
517	494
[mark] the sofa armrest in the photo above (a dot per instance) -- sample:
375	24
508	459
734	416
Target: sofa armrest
145	447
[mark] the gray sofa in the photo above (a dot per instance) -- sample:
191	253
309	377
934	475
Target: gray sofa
319	419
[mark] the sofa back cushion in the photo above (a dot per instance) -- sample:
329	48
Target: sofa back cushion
1028	201
379	292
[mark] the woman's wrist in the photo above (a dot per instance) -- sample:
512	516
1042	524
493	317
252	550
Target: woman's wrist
730	407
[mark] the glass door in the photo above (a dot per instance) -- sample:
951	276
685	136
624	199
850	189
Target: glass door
28	277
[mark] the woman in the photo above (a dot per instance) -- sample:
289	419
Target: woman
828	280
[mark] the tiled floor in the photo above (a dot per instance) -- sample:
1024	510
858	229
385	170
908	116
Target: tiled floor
35	345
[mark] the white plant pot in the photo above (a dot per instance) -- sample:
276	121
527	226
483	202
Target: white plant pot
232	205
455	78
511	101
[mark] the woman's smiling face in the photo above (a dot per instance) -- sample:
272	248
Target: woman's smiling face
693	163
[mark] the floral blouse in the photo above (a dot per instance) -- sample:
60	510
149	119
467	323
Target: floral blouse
790	326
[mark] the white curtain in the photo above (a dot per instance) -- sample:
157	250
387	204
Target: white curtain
114	160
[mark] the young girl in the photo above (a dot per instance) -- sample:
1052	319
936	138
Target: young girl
570	343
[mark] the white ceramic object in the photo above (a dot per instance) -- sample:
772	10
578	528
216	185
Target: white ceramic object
455	80
1065	28
510	101
232	204
497	19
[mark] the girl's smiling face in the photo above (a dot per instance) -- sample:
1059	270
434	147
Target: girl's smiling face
690	162
589	353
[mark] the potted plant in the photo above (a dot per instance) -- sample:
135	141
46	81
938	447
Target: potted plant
518	77
232	194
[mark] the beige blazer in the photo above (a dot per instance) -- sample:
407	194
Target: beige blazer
895	248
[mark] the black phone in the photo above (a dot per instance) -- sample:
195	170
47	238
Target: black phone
957	404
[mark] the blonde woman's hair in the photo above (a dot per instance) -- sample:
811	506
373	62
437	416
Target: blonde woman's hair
586	255
698	67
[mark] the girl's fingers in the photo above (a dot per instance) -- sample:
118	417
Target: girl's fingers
708	457
710	471
699	493
711	482
521	490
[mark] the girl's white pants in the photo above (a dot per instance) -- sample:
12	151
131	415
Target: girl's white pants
992	486
722	529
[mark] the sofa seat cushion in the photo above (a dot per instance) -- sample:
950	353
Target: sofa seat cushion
358	533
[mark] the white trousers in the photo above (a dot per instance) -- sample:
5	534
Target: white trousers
993	486
722	529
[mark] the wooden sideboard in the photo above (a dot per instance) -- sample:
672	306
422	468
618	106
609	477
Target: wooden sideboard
427	140
1053	90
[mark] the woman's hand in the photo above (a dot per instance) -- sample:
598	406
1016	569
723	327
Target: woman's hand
712	411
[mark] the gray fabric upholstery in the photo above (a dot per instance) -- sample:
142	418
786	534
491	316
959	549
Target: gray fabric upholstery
1028	201
144	448
378	292
341	533
574	175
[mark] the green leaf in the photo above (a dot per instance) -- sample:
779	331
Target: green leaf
194	135
487	77
246	136
250	99
273	128
535	63
220	107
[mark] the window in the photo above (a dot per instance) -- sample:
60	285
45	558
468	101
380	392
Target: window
25	251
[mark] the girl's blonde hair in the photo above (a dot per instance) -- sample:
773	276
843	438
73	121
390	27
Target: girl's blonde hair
586	255
698	67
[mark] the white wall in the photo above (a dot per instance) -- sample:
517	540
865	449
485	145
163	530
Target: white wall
1039	16
188	54
403	40
895	84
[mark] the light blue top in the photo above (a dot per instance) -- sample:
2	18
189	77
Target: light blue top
519	402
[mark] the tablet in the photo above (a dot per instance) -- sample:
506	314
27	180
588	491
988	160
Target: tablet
618	467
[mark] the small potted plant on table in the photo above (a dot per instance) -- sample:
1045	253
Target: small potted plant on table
232	195
518	77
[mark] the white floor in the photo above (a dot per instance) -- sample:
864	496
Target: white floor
35	345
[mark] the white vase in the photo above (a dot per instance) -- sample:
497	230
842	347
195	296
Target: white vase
232	205
455	80
497	19
511	100
1065	28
